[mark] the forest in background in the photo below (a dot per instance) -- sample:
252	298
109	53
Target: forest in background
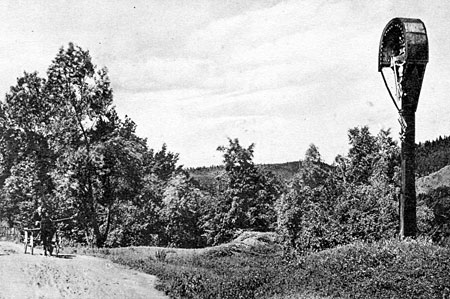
431	156
64	147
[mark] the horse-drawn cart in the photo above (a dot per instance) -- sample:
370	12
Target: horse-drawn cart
46	232
33	237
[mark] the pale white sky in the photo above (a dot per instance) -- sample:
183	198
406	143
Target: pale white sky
280	74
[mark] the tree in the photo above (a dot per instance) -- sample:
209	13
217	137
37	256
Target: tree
82	110
142	222
118	170
305	207
367	207
27	158
162	163
181	213
361	154
64	146
247	198
312	154
354	199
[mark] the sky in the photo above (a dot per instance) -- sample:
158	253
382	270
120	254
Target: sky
280	74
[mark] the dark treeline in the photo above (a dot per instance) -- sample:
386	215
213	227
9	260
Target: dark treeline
64	147
284	171
430	157
205	176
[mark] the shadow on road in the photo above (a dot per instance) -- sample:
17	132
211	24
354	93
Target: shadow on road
65	256
6	252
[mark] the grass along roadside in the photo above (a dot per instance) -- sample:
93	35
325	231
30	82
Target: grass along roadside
385	269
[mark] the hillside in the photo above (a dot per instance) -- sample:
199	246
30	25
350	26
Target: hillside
432	156
433	181
206	176
284	171
427	179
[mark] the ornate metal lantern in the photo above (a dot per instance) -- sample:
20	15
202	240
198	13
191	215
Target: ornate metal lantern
404	50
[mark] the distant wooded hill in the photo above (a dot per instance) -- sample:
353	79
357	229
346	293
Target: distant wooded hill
430	157
206	176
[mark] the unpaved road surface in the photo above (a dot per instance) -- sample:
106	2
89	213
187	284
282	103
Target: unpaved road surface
70	276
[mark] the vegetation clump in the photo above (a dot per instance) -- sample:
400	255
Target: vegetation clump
382	269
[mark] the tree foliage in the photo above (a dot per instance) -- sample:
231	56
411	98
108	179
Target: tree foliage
245	198
354	199
65	147
181	213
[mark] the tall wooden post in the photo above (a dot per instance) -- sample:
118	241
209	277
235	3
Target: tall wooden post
411	85
408	226
404	49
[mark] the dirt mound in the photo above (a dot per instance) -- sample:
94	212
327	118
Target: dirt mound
258	239
249	242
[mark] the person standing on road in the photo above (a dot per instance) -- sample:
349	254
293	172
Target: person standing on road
43	222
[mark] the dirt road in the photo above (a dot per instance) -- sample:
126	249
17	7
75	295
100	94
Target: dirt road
37	276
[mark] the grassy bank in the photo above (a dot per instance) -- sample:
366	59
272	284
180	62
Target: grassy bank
388	269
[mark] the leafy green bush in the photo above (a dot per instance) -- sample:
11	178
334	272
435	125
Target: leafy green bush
244	199
355	199
438	202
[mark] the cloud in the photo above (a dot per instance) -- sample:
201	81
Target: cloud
224	55
281	74
273	47
158	73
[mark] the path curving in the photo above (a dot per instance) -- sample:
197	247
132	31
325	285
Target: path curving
71	276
